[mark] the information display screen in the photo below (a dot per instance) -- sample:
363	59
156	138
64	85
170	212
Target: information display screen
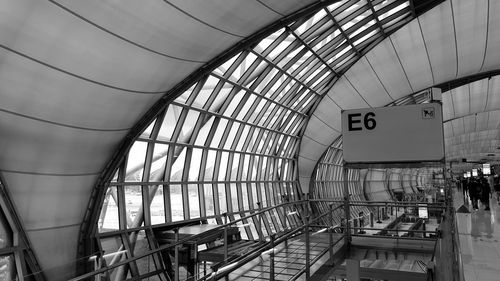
474	172
486	169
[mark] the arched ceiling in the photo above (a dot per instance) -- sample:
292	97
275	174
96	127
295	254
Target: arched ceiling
75	76
454	40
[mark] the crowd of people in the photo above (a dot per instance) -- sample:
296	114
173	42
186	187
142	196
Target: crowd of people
478	189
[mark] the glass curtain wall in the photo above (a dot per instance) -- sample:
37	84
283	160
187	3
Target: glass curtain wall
231	140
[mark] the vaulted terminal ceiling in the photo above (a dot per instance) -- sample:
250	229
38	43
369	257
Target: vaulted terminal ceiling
77	77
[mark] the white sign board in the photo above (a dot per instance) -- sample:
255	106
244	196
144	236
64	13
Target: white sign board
396	134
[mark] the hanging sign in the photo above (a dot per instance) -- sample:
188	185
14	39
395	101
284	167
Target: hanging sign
396	134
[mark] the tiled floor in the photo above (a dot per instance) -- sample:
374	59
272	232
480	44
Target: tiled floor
479	233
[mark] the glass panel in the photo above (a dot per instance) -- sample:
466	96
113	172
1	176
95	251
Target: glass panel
158	162
108	219
169	122
135	161
222	198
209	199
176	202
178	165
194	168
194	201
157	205
7	268
133	206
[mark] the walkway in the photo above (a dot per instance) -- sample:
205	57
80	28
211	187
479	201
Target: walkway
479	233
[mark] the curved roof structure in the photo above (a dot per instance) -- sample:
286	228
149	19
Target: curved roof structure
80	80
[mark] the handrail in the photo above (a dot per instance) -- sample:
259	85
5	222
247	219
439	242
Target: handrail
166	247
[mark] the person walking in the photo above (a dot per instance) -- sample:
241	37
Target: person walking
485	192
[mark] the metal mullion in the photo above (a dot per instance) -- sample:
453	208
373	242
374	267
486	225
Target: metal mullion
292	122
229	200
323	36
394	16
226	133
265	145
291	95
248	90
313	29
275	43
132	266
258	139
258	176
214	93
294	45
194	94
241	204
314	52
346	37
367	40
229	167
184	185
343	7
269	118
201	120
308	63
215	198
229	99
276	124
120	190
355	27
248	139
295	59
166	187
180	123
375	15
286	73
289	148
352	16
250	70
241	104
241	163
204	147
237	62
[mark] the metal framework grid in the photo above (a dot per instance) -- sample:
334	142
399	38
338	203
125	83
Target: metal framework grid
230	138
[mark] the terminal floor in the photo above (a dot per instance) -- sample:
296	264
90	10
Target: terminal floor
479	233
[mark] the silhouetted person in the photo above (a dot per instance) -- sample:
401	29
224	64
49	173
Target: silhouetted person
474	192
485	193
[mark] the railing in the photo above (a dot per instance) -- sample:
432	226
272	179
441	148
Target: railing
301	209
324	222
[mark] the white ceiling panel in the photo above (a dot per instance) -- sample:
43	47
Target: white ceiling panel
494	119
366	82
439	35
492	56
42	209
320	131
482	121
461	100
412	53
233	16
61	98
327	111
153	25
346	96
478	95
470	26
469	123
285	7
448	129
311	149
385	62
86	51
34	146
60	265
493	100
448	110
458	126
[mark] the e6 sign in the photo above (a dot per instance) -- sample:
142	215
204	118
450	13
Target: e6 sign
354	121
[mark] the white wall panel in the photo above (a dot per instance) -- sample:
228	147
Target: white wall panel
385	62
346	96
492	57
478	95
48	205
493	93
470	27
33	28
411	50
448	110
61	98
367	84
34	146
286	7
482	121
461	100
57	251
155	25
329	112
230	15
320	131
439	35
